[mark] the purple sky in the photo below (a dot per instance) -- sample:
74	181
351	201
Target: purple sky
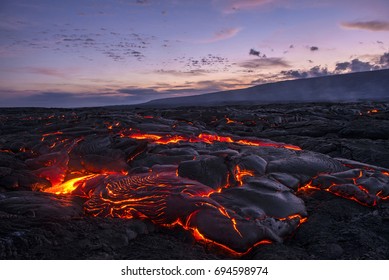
103	52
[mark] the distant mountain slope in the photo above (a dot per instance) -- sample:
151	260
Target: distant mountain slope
372	85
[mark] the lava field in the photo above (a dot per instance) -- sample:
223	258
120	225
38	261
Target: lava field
288	181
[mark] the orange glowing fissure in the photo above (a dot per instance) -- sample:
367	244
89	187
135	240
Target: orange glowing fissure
206	138
239	174
229	121
51	134
201	238
310	186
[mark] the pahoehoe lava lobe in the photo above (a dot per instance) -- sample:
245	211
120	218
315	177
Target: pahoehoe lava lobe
212	174
168	199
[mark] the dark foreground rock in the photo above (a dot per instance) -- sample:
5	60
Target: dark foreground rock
147	184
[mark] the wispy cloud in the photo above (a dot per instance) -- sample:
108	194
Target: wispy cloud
265	62
187	88
141	92
195	65
191	73
47	71
61	99
374	25
217	85
13	24
142	2
118	96
65	39
232	6
222	34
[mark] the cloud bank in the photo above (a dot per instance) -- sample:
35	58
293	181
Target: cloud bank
355	65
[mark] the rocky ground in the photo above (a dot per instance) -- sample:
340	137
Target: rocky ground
229	166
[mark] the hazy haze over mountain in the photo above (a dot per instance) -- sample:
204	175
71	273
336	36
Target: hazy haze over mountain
371	85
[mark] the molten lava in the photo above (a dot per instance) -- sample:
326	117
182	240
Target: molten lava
350	186
69	186
372	111
239	174
229	121
246	208
206	138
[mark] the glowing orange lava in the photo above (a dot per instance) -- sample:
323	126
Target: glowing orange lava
69	186
229	121
202	239
239	174
50	134
206	138
360	194
163	197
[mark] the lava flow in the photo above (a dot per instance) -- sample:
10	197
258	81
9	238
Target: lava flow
235	196
70	185
169	200
206	138
363	186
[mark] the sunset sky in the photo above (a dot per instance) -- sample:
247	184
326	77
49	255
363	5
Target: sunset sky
105	52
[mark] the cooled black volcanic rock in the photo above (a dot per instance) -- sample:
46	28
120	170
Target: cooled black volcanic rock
211	169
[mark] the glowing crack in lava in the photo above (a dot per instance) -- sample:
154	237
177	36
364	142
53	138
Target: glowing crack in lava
235	195
365	186
206	138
